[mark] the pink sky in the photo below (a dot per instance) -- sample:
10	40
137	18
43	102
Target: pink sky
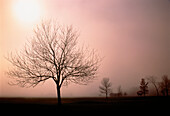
131	35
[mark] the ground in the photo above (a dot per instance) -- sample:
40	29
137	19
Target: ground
77	106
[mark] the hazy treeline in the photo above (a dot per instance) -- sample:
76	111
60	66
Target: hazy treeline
147	86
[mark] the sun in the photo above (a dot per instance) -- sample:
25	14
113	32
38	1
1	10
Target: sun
27	10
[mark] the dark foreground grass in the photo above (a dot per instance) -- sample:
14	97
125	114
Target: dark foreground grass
82	106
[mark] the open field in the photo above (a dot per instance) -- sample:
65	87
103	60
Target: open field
124	105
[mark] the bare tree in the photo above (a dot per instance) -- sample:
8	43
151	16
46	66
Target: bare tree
53	53
105	88
165	85
119	91
152	79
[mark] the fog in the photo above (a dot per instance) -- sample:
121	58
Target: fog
132	37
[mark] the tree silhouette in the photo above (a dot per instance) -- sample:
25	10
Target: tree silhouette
152	79
119	91
144	87
105	87
53	53
165	85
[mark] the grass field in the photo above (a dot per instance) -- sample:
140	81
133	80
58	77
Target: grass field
122	105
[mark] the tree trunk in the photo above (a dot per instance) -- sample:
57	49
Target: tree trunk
157	91
106	95
166	91
58	95
144	92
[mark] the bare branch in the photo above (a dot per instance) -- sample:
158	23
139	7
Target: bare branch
53	53
105	87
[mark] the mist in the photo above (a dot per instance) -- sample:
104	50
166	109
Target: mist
132	37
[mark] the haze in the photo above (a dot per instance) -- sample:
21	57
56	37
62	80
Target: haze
133	36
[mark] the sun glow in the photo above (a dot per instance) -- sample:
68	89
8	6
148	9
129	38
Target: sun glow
27	10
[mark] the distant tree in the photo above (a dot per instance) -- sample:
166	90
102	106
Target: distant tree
165	85
105	87
53	53
125	94
119	91
152	80
144	87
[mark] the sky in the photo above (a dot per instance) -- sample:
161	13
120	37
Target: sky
133	37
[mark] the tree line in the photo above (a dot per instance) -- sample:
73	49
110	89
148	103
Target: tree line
106	88
161	88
